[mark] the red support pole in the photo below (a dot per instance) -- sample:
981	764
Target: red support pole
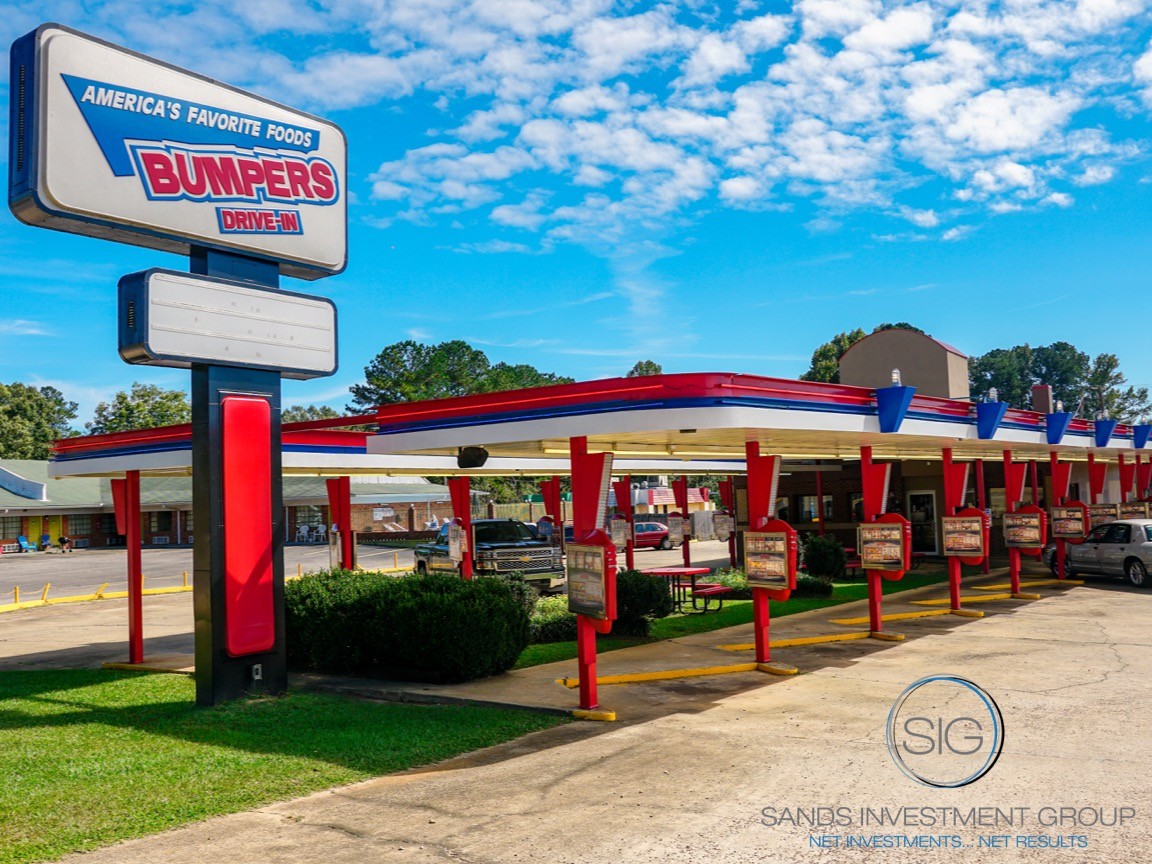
820	503
623	490
760	621
1091	478
982	504
875	594
1014	569
680	494
135	568
950	498
460	491
585	626
340	515
1035	483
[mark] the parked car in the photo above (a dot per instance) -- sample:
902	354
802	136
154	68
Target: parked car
651	535
648	535
499	546
1120	548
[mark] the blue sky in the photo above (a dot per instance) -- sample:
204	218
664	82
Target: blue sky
583	184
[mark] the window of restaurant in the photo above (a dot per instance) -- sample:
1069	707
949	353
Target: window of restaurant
808	508
10	527
157	522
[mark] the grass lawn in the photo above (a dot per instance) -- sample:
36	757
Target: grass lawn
92	757
734	612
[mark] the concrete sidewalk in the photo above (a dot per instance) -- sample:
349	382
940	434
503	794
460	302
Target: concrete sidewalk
1069	672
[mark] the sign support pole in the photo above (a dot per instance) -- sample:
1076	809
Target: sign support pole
237	538
135	567
982	506
460	490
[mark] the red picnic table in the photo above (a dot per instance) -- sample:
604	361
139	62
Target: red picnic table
680	589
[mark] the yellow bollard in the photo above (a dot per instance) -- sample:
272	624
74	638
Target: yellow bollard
16	594
100	591
44	594
185	578
395	560
299	569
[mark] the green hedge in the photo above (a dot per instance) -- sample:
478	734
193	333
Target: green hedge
552	622
639	599
427	628
806	585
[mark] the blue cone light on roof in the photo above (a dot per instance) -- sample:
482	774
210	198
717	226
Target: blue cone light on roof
892	403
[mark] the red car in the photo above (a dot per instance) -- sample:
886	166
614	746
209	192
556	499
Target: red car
651	535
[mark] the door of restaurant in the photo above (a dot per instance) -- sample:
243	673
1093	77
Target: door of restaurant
922	515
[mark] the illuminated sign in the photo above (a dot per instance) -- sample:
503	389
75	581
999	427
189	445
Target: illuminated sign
110	143
177	319
723	526
963	536
618	528
767	559
1024	530
457	542
1101	514
881	546
587	580
1134	510
1068	522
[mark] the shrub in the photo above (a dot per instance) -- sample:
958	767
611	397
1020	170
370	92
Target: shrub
639	599
429	628
552	622
810	586
823	556
735	579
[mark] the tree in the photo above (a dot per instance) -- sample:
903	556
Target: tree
899	325
503	376
645	367
1107	391
1065	368
303	413
146	406
826	359
31	418
1085	385
410	372
1009	370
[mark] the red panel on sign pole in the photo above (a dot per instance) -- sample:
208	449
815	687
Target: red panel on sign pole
250	610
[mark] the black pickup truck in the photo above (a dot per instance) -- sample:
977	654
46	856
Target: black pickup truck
499	546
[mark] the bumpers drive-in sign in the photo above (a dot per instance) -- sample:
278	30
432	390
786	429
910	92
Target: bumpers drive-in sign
113	144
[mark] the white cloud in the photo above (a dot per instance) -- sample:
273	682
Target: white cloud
631	113
23	327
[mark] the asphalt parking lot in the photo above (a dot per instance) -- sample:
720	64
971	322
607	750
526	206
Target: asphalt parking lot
705	769
85	570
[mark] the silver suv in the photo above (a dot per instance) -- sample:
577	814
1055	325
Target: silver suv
1120	548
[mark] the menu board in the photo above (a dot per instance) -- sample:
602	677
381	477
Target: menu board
723	526
587	577
1023	530
1134	510
619	529
1068	523
457	544
766	559
881	546
675	529
1101	514
964	536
